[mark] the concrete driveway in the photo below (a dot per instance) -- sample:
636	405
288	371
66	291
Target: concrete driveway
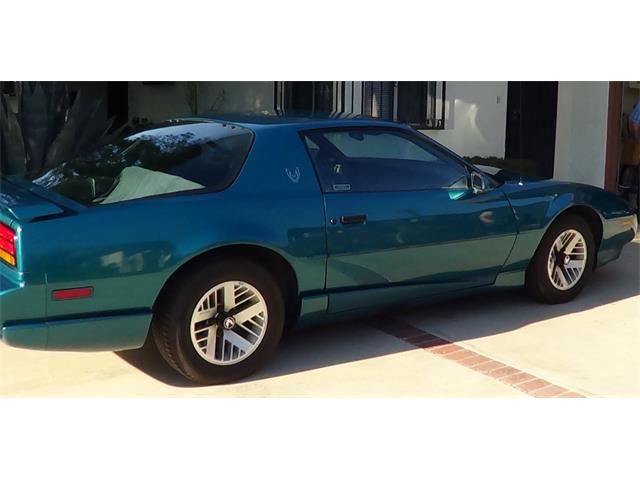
496	345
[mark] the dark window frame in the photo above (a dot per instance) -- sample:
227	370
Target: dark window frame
431	118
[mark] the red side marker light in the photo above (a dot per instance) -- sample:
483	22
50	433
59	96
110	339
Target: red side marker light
71	293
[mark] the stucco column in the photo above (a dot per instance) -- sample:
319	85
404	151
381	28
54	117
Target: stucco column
581	132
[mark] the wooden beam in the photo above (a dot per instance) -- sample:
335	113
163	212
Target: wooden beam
614	137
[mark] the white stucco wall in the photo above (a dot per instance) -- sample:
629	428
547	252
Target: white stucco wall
476	116
581	132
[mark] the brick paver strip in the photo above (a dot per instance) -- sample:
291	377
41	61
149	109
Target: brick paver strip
503	372
445	349
532	385
475	360
523	381
517	378
570	395
420	339
487	367
403	330
427	344
549	391
461	355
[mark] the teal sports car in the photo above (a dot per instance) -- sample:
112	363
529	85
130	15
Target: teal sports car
213	235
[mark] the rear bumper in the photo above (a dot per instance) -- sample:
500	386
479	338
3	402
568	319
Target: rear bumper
88	334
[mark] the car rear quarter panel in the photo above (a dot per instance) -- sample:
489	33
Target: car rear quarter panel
127	251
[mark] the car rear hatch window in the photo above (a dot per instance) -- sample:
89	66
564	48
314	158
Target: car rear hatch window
166	158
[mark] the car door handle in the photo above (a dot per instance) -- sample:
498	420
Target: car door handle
351	219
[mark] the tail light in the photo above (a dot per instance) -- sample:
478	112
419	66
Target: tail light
7	245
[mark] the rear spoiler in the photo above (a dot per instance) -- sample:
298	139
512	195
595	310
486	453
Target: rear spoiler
23	204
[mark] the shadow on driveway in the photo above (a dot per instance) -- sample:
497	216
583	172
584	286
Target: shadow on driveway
320	347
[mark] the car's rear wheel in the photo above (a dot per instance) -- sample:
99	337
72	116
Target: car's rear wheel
563	261
219	322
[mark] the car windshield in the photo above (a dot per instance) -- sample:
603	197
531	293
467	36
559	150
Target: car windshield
168	158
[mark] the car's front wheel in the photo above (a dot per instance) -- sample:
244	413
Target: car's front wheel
219	322
563	261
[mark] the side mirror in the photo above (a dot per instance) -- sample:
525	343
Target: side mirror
478	184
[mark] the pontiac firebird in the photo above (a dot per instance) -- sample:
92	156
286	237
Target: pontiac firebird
214	235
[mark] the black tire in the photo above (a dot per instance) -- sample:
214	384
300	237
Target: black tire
538	283
172	317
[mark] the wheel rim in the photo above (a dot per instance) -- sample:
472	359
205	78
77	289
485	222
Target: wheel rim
567	259
228	323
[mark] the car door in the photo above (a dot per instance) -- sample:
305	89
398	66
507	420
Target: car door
402	221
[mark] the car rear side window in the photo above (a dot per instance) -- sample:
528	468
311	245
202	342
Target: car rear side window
371	160
169	158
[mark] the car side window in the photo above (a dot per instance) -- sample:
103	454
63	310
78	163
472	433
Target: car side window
165	158
370	160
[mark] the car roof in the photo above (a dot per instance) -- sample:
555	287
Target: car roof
298	122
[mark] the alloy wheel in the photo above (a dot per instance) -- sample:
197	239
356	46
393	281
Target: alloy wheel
567	259
228	323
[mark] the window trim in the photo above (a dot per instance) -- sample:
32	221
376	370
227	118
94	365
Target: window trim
420	139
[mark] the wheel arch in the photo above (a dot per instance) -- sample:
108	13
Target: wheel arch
587	213
275	263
